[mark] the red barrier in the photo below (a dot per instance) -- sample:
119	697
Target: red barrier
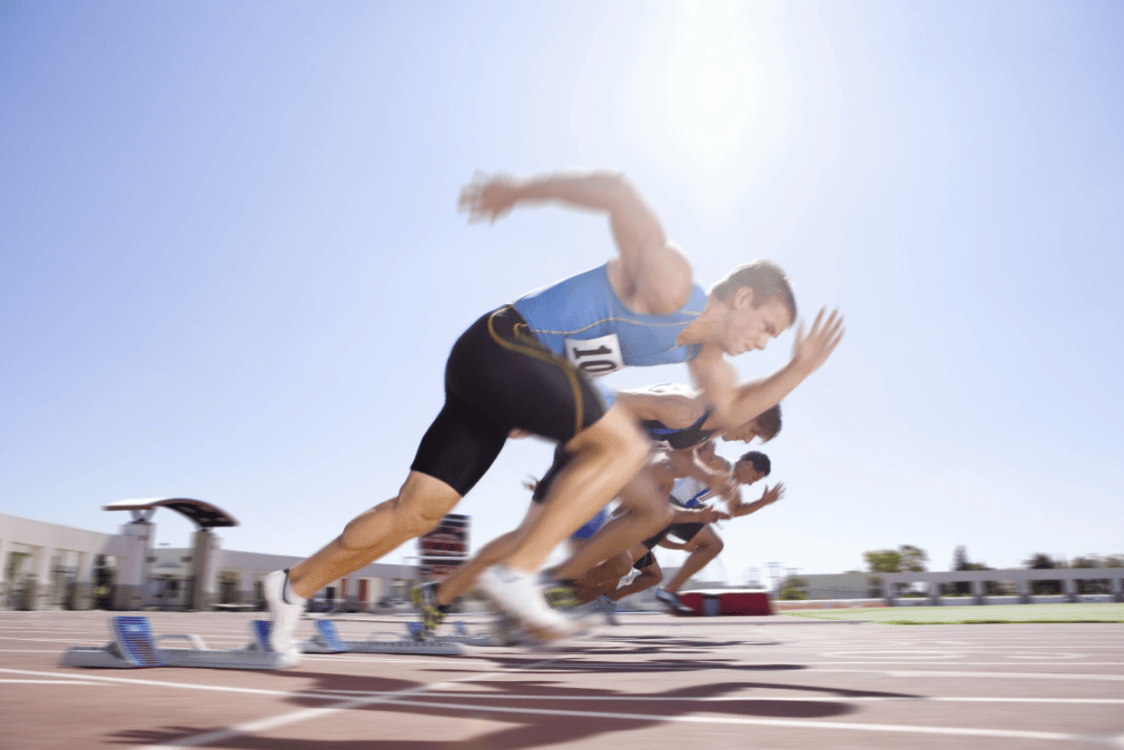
730	602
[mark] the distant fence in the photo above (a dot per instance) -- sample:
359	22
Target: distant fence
1023	578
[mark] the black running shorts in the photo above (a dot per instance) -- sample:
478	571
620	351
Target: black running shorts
499	377
645	561
685	531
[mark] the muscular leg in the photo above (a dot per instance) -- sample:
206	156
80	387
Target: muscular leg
460	580
649	577
707	546
648	512
421	503
606	456
603	578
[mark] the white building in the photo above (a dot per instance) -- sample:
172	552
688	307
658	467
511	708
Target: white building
51	566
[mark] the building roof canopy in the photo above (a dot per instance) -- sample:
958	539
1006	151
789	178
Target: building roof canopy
204	515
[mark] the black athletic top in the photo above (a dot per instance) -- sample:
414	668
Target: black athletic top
677	438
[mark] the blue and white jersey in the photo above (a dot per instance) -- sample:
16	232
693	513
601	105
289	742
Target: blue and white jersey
690	492
582	320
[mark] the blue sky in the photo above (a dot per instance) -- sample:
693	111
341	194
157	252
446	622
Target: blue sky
231	264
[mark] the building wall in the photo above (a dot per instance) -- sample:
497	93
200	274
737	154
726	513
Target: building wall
46	565
837	585
56	569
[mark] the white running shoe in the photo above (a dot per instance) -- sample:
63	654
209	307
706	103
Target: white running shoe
517	593
285	614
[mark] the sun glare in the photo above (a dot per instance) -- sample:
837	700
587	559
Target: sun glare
711	84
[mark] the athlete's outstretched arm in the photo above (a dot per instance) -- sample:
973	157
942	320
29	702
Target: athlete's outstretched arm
735	403
650	276
675	410
768	497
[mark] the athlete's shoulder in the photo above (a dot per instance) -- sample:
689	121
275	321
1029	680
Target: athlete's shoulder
673	404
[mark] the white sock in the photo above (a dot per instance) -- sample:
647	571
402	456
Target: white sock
291	596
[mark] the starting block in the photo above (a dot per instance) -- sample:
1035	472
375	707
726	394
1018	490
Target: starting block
328	641
461	634
134	646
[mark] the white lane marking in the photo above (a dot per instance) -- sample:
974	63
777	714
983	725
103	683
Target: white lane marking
314	713
184	685
740	721
47	640
903	654
1035	662
397	698
50	682
827	696
999	675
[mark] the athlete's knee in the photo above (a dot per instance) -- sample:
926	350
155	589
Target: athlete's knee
418	507
616	436
657	576
618	566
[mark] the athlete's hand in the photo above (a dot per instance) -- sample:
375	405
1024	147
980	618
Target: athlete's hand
811	349
488	197
710	515
772	494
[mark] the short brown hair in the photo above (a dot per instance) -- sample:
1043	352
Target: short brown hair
768	423
766	279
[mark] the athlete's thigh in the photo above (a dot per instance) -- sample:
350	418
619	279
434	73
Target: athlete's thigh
460	445
501	369
686	531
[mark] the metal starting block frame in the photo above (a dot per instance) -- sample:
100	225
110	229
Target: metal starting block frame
135	646
328	641
461	634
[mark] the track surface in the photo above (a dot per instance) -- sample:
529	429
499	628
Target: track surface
654	682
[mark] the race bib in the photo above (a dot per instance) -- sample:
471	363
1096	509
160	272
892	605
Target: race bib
595	357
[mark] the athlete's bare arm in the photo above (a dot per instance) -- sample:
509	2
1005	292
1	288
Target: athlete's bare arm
650	275
704	515
674	410
768	497
735	403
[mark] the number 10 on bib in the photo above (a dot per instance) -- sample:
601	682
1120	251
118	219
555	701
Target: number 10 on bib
595	357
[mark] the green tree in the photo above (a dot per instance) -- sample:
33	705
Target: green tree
884	561
960	561
1042	561
905	558
913	558
1094	586
792	589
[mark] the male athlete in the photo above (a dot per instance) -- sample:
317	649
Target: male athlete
522	366
676	418
703	541
686	496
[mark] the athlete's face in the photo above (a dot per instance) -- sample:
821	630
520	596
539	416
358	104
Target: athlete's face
745	433
749	325
745	473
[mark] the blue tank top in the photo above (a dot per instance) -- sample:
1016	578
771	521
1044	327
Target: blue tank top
581	319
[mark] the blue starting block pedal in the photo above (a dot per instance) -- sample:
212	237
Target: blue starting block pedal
134	645
462	635
134	641
326	641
